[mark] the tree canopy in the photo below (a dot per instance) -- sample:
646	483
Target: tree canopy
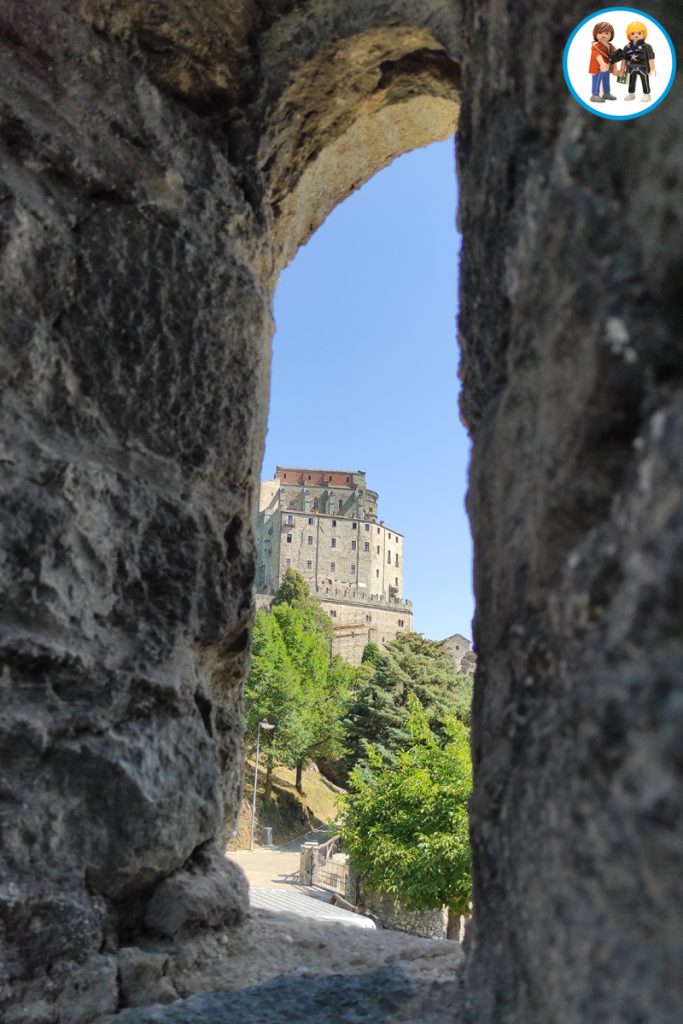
378	713
293	681
406	824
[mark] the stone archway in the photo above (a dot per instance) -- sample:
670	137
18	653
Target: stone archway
160	163
344	114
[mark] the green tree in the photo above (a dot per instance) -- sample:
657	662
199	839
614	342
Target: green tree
292	589
378	712
273	693
462	698
294	682
372	656
309	652
406	824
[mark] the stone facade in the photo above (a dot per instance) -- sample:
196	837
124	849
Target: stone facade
432	924
323	524
160	164
461	654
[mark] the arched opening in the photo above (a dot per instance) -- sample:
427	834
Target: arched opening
210	185
365	371
365	377
347	112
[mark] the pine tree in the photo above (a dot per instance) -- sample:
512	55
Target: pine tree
378	712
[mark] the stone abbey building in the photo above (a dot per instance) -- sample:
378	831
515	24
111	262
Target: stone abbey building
323	523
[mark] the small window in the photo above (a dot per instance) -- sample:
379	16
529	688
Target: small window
367	527
334	522
389	536
353	570
333	615
290	519
378	549
333	542
378	529
309	539
288	563
284	476
366	546
289	538
310	520
333	566
340	504
400	622
353	545
389	557
396	580
309	564
347	479
309	476
368	617
396	562
377	573
354	526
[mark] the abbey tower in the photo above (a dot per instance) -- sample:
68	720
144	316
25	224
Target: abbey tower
323	524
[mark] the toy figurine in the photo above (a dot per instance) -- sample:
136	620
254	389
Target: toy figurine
638	60
599	67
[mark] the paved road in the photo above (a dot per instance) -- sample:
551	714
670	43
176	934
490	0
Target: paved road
305	903
268	868
318	835
273	876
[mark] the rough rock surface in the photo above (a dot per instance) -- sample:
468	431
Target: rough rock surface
573	387
211	892
138	257
128	462
143	978
375	997
267	947
159	163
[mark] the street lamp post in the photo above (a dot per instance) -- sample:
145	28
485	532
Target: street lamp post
261	725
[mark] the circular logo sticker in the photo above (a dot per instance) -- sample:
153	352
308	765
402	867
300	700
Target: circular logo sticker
619	63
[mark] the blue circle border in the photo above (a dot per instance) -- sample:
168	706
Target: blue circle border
591	108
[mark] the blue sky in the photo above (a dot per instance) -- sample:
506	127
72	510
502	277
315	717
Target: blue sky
365	371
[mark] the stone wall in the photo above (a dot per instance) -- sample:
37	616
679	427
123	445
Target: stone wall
332	553
144	212
363	622
460	652
135	339
357	622
572	386
431	924
160	163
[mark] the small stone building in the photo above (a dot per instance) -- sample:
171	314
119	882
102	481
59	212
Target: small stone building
460	651
323	524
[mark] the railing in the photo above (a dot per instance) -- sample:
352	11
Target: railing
351	595
324	866
332	875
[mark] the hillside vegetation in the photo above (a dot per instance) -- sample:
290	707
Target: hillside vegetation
289	812
394	731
